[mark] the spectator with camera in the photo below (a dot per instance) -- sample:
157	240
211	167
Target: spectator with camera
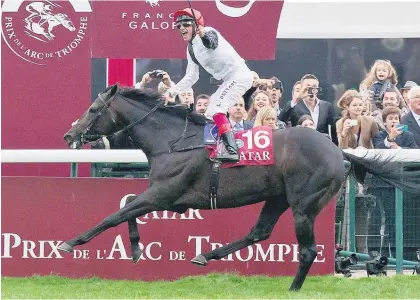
381	77
201	103
154	75
308	103
412	119
237	116
354	129
395	135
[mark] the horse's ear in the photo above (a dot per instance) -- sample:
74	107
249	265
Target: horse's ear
113	90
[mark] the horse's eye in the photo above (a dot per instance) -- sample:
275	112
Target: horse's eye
93	110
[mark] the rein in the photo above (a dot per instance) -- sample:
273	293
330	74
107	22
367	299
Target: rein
86	137
94	138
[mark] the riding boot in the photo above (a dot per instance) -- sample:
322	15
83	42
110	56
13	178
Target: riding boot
231	153
228	138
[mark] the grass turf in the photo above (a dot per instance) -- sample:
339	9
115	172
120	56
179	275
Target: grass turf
215	286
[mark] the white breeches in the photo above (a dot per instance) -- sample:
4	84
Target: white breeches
227	94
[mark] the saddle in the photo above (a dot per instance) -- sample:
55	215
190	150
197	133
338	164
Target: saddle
255	148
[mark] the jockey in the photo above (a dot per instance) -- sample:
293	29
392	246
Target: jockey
208	48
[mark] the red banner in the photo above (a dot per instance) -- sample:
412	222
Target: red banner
145	29
38	213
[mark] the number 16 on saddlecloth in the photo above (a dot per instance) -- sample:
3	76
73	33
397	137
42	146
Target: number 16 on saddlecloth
260	138
255	147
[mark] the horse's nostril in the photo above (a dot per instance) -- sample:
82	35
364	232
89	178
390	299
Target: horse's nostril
68	139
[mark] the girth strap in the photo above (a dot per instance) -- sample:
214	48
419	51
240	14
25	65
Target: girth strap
214	184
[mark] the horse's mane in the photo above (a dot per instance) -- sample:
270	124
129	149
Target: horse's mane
152	97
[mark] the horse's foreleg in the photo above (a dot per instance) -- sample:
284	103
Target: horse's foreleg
133	233
271	211
141	205
134	236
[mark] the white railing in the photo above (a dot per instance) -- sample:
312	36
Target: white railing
72	156
137	156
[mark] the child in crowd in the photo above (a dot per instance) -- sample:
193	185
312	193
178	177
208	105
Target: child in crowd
381	77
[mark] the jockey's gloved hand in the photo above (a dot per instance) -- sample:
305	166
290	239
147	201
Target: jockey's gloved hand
200	31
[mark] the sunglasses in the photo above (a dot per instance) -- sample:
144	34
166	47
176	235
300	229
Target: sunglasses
185	24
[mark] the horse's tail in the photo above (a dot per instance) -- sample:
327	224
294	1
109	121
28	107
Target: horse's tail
406	178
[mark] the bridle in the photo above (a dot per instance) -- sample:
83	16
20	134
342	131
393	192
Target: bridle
86	138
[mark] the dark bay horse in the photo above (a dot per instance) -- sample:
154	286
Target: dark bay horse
308	171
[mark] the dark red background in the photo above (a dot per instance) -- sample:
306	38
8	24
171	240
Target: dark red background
60	208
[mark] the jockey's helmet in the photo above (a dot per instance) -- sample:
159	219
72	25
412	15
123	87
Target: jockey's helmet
187	15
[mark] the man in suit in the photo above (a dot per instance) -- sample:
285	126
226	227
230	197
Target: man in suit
412	119
392	137
237	116
322	112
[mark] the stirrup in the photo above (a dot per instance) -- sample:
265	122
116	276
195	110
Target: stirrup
234	158
222	153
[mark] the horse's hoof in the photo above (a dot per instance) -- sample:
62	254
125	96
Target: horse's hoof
137	256
199	260
65	247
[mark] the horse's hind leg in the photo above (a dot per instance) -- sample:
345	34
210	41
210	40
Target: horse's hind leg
305	210
270	213
304	227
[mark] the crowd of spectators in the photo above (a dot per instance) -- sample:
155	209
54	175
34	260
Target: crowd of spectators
377	115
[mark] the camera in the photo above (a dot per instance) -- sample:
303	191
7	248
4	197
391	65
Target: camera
402	127
377	265
342	263
156	74
314	90
262	87
353	123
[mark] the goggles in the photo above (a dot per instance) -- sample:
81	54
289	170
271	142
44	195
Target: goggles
185	24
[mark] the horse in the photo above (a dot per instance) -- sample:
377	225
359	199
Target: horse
308	171
53	21
153	3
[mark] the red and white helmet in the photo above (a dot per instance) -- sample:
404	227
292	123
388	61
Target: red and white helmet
187	14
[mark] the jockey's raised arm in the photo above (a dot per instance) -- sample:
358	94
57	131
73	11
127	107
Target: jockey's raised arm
191	77
208	48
